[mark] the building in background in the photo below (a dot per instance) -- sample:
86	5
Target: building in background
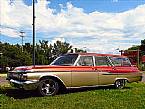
132	55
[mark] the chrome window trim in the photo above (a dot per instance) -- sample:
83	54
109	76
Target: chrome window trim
107	59
75	64
54	61
111	63
59	57
94	61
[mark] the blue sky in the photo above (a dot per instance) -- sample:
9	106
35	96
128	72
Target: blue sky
96	5
98	25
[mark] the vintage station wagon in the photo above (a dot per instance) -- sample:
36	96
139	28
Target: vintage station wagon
75	70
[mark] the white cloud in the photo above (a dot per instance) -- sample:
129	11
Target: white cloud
114	0
15	15
9	32
57	39
99	32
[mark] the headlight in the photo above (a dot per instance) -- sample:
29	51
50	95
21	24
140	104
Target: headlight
23	77
17	75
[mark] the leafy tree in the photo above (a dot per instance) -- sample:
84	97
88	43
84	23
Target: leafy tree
28	47
142	47
60	48
12	55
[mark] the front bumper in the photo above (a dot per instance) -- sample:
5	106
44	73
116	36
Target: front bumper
26	85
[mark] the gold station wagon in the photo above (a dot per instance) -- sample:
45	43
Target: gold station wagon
75	70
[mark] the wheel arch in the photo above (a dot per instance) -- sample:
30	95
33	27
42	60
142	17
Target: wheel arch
56	78
126	79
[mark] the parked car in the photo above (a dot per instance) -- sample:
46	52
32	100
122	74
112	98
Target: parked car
75	70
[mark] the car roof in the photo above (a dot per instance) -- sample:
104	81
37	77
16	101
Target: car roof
97	54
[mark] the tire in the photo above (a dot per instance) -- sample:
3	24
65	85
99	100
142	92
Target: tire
119	84
48	87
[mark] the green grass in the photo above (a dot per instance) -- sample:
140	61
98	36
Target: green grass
131	97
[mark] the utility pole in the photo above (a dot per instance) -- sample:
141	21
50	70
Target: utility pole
121	52
22	36
138	58
34	33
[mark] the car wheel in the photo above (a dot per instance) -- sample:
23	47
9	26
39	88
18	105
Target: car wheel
119	84
48	87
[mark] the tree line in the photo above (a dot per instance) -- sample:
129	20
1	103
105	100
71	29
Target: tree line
45	53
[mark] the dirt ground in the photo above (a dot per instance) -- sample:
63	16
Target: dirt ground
143	79
3	80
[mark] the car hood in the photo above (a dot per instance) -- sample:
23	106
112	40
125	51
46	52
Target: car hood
41	68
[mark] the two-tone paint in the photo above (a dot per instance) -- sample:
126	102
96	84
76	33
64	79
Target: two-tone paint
74	76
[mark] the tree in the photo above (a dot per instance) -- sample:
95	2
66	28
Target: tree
60	48
28	47
12	55
142	47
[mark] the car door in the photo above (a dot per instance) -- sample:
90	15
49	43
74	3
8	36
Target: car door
84	73
122	65
105	70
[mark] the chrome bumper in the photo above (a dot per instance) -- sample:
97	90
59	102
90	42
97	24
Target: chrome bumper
26	85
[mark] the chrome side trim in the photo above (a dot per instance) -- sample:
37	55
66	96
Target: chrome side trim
90	86
25	82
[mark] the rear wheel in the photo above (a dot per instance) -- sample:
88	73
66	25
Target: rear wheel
48	87
120	84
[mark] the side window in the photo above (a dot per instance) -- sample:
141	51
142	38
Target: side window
85	61
120	61
101	61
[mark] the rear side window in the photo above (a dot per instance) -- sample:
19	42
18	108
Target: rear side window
120	61
85	61
101	61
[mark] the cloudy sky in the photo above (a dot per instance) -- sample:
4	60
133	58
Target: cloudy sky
96	25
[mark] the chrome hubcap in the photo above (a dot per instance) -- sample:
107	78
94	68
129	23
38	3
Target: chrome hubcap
48	87
120	84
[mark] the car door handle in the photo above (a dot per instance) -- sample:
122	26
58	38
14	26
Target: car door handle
114	68
94	68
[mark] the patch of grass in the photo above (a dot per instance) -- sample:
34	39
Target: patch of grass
131	97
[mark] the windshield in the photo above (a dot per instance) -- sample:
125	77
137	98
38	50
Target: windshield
65	60
120	61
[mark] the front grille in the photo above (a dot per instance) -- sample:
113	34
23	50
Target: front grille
15	76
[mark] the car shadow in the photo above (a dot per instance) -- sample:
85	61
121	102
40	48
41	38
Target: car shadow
19	93
22	94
